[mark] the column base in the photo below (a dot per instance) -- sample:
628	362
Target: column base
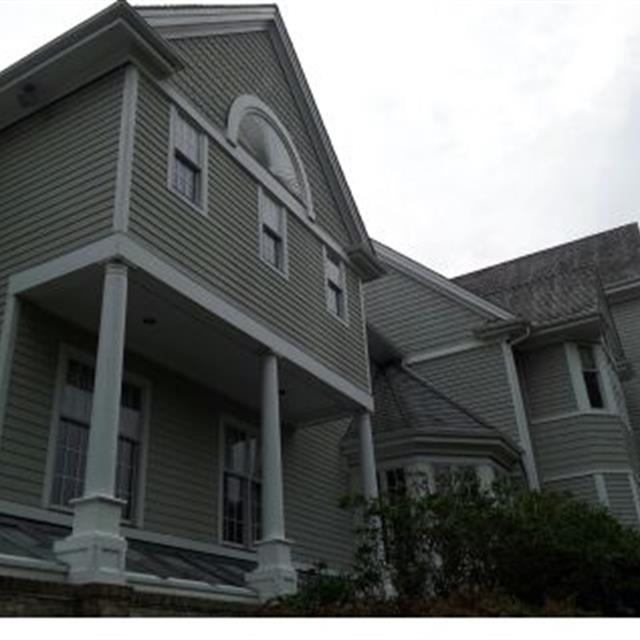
275	575
95	551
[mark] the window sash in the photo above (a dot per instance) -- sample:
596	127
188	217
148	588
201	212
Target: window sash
186	178
272	250
187	141
591	376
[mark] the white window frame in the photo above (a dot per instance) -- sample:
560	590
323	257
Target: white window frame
263	198
201	206
344	318
577	380
235	423
65	354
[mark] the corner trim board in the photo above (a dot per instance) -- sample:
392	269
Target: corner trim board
125	150
8	337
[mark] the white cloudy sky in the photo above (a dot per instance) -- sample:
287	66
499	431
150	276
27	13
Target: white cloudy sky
470	132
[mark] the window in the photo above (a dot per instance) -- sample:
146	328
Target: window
187	163
335	285
73	439
591	376
241	487
273	233
450	476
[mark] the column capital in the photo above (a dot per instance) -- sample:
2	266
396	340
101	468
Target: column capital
116	267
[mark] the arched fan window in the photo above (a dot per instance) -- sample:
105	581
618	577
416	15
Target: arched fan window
253	125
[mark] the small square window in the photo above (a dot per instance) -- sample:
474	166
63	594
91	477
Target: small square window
273	233
335	285
187	161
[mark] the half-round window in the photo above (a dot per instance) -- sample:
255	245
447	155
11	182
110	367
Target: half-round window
253	125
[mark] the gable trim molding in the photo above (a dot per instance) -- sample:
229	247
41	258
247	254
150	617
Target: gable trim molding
432	279
122	247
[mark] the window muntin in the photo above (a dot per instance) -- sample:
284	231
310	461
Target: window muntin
591	376
73	438
273	232
241	487
335	285
187	160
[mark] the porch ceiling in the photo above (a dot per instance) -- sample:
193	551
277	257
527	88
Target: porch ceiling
174	332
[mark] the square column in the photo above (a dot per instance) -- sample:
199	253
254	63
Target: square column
275	575
95	550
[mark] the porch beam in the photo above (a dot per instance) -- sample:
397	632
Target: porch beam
95	550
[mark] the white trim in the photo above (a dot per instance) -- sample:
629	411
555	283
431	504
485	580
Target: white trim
601	489
521	416
574	414
124	248
8	336
432	279
365	339
344	319
91	254
446	350
609	397
125	150
581	474
32	568
248	104
203	142
147	583
262	196
67	352
252	166
633	481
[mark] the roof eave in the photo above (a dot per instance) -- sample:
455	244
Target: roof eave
109	39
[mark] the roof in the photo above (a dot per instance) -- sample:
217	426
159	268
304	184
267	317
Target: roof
405	400
431	278
561	282
31	539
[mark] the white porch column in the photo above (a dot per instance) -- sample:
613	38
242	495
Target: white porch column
95	550
275	575
367	457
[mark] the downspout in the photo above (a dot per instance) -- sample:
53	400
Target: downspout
522	423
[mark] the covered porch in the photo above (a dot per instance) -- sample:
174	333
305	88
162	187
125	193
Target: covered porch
141	308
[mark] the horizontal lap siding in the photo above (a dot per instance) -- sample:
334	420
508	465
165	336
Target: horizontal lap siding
57	176
579	443
221	251
620	496
476	379
414	317
315	480
220	68
183	467
547	382
583	488
627	320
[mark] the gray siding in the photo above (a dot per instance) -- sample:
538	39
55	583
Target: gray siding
221	251
579	443
627	319
416	317
546	381
220	68
184	465
583	488
316	478
476	379
620	495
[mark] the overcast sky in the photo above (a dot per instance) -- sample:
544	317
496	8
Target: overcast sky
469	132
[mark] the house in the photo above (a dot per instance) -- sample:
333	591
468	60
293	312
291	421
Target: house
543	348
181	268
202	351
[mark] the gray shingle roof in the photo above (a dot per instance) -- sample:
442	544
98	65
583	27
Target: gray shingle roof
560	282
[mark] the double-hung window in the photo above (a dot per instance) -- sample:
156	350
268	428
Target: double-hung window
591	376
335	284
73	438
241	487
187	161
273	233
